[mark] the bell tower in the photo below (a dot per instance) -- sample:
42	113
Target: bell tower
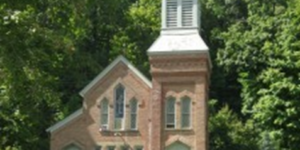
182	14
180	68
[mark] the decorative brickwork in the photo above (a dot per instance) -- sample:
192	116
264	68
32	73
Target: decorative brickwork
169	113
178	77
84	130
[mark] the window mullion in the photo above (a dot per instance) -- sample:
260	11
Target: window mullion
179	13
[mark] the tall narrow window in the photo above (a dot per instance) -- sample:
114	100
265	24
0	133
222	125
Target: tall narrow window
133	114
119	106
170	113
104	114
185	112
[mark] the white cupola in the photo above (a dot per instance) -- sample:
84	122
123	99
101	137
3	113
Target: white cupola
180	29
180	14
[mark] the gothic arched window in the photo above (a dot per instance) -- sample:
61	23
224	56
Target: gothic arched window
72	147
185	112
133	114
104	113
119	106
170	112
177	146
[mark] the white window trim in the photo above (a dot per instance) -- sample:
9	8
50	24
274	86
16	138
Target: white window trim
136	114
166	113
101	113
195	15
189	113
124	109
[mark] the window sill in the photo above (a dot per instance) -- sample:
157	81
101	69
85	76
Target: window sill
121	131
127	130
182	130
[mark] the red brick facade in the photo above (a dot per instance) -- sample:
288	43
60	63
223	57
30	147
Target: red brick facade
179	76
84	130
175	76
171	109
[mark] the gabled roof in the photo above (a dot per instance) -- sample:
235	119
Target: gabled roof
109	68
65	121
91	84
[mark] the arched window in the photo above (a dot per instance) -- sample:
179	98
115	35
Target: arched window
133	114
72	147
104	113
170	112
178	146
119	106
185	112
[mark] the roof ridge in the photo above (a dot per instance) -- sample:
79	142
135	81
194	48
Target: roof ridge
120	58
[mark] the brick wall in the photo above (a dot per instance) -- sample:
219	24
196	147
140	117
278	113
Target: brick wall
84	130
179	76
176	76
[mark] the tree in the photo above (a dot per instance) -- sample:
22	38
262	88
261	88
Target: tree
264	49
228	132
29	54
216	17
139	32
51	50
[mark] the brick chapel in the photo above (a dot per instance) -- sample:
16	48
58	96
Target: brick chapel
124	110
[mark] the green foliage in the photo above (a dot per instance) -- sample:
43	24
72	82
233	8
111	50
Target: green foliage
140	31
228	132
217	16
265	51
50	49
29	56
268	141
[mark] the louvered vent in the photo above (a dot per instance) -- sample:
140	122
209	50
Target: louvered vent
187	13
171	13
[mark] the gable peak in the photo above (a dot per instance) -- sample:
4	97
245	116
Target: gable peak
119	59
